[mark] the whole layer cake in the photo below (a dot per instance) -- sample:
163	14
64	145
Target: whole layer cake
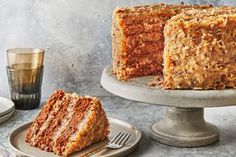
200	49
68	123
138	39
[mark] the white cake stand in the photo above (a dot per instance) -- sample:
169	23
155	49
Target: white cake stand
184	124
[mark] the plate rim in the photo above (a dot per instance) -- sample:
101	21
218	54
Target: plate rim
7	116
23	126
8	113
9	103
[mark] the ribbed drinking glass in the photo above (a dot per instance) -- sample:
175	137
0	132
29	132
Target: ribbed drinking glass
25	75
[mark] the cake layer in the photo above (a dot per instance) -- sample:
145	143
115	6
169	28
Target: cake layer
132	29
94	128
200	50
68	123
81	108
142	28
43	115
45	139
143	37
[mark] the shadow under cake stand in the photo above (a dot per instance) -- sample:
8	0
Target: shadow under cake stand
184	124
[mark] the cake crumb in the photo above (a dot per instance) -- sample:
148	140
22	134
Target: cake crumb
157	81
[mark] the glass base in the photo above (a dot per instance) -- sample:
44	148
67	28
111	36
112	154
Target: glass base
26	101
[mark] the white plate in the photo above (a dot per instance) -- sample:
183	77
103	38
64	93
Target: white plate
17	141
6	106
7	116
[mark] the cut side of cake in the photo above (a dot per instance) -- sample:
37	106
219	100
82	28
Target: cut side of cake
68	123
138	39
200	50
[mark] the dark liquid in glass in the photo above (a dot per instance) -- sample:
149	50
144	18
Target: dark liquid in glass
25	82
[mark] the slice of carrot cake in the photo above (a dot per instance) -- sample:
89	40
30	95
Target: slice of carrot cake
68	123
138	39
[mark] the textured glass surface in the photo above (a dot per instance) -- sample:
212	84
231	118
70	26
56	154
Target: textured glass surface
25	74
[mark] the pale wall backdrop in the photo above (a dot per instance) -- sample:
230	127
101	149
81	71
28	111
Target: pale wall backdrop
74	33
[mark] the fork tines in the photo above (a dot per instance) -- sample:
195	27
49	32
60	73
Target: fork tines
121	138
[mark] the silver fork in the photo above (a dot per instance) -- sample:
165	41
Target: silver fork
115	143
118	141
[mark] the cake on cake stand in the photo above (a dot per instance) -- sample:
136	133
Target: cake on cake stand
184	124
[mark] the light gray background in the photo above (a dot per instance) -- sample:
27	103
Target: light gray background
74	33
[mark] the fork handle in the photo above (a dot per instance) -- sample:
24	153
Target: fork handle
95	151
101	151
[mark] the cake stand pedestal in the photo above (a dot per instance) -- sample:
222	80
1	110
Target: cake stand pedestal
183	124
